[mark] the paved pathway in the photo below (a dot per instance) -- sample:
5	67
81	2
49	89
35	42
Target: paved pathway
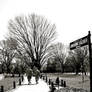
1	76
33	87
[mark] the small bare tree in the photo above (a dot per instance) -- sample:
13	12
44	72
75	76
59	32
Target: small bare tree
57	51
79	59
7	53
34	34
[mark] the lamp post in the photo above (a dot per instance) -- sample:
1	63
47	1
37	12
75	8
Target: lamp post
90	59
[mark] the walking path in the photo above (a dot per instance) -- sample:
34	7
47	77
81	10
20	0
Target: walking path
33	87
1	76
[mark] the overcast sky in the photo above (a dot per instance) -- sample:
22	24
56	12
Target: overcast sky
73	18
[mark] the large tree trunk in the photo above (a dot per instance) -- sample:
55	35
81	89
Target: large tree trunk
62	68
37	64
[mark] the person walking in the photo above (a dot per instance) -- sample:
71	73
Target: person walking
36	74
29	74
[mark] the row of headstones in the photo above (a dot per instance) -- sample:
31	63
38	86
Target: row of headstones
14	84
55	84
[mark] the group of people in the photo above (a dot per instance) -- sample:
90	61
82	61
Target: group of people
33	72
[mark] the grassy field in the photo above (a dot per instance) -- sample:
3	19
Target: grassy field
72	80
8	82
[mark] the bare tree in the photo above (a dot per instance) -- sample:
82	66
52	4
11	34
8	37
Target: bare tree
57	51
34	34
79	59
7	53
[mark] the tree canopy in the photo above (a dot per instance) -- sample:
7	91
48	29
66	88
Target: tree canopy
34	35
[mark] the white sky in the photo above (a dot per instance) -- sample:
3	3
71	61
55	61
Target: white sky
73	18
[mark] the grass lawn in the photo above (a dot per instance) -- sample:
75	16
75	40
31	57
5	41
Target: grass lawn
8	82
72	80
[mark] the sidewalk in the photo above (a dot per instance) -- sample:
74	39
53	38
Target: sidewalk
33	87
1	76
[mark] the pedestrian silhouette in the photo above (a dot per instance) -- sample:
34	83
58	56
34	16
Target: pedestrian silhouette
29	74
36	74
